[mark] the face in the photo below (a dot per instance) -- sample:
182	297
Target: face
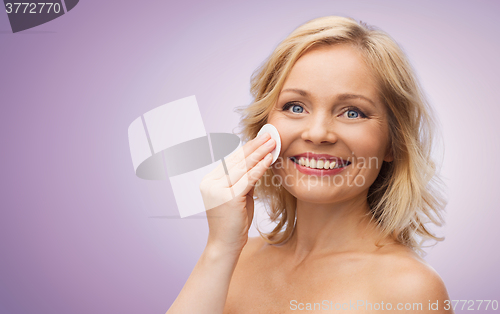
329	111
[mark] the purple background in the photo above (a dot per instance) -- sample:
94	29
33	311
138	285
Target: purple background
80	233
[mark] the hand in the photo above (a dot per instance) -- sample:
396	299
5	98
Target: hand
229	200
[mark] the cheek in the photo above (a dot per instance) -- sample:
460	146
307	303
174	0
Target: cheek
368	145
286	130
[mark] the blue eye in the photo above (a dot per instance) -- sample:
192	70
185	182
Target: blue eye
354	113
295	108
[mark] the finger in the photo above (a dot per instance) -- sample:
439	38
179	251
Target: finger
237	156
246	150
238	171
218	192
217	186
248	181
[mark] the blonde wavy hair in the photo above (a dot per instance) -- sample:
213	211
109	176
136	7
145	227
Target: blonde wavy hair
407	194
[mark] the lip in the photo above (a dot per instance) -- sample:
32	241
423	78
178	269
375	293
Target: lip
320	172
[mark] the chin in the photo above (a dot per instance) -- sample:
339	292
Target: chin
314	194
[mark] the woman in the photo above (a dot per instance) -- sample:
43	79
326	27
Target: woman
347	236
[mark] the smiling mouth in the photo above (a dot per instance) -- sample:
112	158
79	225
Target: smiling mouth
320	164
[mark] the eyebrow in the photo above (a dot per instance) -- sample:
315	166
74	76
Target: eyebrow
340	97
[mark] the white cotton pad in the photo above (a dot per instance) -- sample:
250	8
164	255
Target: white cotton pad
271	129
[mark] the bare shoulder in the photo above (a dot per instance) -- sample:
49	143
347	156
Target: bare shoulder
407	278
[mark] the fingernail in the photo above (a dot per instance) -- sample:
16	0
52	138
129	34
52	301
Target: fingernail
263	136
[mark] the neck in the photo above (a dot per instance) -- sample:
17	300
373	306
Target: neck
332	228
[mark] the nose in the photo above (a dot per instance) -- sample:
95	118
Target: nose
320	130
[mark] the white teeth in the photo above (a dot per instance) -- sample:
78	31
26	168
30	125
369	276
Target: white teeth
316	164
320	164
312	163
